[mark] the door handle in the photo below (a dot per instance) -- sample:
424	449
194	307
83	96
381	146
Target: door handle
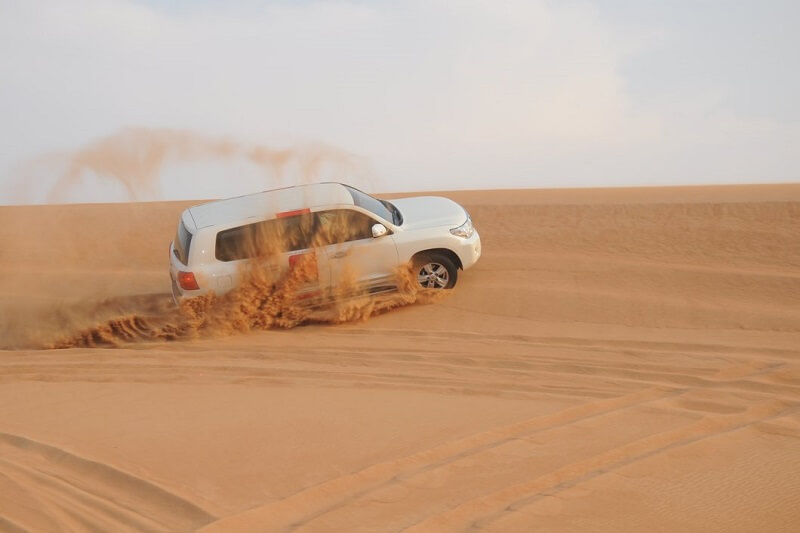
339	255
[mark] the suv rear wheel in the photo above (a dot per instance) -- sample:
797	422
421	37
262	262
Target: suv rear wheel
435	271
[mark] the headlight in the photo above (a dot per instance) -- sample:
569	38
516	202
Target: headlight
464	230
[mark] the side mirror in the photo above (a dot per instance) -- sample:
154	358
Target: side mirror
379	230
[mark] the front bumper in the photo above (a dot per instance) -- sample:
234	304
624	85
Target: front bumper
469	250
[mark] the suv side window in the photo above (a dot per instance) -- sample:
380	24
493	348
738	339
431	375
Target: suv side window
263	238
343	225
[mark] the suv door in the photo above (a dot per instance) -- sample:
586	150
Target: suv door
354	256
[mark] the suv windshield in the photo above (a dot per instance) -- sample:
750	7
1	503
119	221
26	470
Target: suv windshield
382	208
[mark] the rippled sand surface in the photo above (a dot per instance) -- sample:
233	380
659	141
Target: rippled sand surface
619	360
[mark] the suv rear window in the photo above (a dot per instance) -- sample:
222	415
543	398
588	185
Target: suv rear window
271	236
183	240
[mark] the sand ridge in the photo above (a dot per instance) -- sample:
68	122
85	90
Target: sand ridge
618	360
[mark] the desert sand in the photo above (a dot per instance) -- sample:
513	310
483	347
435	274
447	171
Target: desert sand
618	360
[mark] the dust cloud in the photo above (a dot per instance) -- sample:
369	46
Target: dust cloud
134	160
272	294
261	302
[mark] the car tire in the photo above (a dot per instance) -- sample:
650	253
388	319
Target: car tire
435	271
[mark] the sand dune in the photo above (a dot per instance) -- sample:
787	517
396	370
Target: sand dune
619	360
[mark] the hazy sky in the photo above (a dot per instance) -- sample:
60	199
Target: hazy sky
429	94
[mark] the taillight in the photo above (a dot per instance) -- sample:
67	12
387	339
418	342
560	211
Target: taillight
187	282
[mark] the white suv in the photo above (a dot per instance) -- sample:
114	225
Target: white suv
214	242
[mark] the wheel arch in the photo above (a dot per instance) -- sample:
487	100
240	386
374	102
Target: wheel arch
450	254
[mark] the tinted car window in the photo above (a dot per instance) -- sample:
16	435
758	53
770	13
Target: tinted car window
379	207
182	242
265	238
342	225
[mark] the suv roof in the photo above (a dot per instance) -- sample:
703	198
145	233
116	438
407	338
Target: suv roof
267	204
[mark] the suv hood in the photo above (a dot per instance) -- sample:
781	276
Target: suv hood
430	212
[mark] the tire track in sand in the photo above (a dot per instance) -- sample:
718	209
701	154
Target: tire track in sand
314	501
483	511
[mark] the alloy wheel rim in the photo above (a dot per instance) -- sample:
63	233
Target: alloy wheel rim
433	276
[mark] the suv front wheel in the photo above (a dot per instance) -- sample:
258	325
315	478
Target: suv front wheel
435	271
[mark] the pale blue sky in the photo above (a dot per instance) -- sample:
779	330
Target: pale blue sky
427	94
